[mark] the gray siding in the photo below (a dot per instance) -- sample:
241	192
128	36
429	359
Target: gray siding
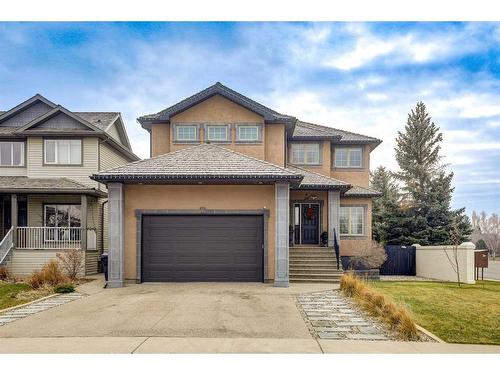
62	121
28	115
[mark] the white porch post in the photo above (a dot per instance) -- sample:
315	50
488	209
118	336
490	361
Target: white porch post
83	222
13	218
333	215
282	196
116	236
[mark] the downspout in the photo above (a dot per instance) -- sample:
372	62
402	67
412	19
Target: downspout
102	233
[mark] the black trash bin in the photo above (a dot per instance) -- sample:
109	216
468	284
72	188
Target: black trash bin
104	262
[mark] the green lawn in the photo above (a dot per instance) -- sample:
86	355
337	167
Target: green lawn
8	293
470	314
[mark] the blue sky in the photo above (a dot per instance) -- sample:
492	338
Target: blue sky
363	77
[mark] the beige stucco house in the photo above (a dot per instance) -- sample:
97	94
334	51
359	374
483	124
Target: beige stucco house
48	203
233	188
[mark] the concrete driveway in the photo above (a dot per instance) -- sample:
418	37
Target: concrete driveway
205	310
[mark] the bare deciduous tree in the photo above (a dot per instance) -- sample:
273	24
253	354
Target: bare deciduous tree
71	262
487	228
455	237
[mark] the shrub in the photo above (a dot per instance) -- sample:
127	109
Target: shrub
64	288
377	304
50	274
4	273
369	258
72	262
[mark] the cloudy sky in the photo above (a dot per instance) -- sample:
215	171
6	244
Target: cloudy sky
363	77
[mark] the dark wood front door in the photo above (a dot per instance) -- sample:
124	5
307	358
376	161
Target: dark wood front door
310	223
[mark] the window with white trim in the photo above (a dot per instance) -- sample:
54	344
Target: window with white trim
352	220
62	217
63	151
11	154
305	153
348	157
217	133
247	133
186	133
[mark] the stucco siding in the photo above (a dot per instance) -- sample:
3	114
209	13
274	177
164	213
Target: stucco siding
81	174
355	176
191	197
354	245
160	139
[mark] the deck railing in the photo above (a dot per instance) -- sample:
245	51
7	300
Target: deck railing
52	238
6	244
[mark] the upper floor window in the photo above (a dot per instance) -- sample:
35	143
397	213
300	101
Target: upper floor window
63	151
186	133
305	153
11	154
248	133
352	220
217	133
348	157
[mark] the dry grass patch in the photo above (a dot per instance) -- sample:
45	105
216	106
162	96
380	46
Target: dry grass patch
379	306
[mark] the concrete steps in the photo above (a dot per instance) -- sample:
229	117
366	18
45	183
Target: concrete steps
313	265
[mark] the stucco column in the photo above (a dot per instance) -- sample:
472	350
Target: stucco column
333	215
282	197
83	221
116	236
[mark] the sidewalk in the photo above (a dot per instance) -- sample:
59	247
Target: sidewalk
226	345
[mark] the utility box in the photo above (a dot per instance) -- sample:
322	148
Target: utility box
481	259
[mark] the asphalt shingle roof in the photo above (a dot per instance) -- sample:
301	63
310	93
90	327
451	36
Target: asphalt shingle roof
49	185
100	119
308	130
313	180
358	191
201	162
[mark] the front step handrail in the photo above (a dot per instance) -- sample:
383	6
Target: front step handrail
6	244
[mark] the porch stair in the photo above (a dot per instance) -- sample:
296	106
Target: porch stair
314	265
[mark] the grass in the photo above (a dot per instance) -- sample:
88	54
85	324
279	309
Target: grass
470	314
8	293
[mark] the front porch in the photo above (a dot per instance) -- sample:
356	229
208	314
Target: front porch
35	227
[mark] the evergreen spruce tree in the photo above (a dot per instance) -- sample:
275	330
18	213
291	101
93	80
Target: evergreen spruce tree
427	186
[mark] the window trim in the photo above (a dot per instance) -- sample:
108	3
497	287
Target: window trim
364	216
215	125
320	153
63	228
181	124
23	154
243	125
56	164
362	166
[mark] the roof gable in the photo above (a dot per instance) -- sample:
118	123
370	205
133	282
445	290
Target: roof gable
58	119
27	111
218	88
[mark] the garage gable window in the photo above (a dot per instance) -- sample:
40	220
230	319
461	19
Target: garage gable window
186	133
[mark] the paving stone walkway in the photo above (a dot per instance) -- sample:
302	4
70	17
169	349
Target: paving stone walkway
332	316
33	308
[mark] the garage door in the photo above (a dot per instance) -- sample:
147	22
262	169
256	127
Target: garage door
202	248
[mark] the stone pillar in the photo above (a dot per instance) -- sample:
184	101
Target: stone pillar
13	218
116	236
282	194
333	215
83	221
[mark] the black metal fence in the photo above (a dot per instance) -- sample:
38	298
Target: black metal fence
401	260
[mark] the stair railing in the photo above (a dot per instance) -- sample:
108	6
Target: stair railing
6	244
336	247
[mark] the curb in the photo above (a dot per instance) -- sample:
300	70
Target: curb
27	303
430	334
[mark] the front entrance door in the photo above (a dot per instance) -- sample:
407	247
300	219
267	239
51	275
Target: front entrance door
307	225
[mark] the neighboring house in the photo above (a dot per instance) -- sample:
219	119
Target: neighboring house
48	203
226	177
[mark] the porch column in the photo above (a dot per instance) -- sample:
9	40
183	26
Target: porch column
282	196
83	221
13	217
333	215
116	236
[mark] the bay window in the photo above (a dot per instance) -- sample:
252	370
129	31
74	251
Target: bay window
63	151
11	154
352	220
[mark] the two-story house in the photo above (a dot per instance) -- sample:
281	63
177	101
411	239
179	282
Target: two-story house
229	187
48	203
